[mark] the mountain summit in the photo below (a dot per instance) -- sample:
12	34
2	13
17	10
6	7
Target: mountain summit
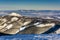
15	14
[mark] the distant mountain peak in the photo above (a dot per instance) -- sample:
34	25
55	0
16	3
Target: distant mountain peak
14	14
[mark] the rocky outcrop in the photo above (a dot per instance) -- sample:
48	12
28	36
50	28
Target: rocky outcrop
16	23
11	24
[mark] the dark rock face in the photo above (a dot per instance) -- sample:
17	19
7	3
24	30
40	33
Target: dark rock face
53	30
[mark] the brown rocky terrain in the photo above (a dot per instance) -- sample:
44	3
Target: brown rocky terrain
15	23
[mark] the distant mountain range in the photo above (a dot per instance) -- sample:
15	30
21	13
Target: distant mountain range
33	13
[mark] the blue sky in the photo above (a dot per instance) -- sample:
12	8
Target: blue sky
30	4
